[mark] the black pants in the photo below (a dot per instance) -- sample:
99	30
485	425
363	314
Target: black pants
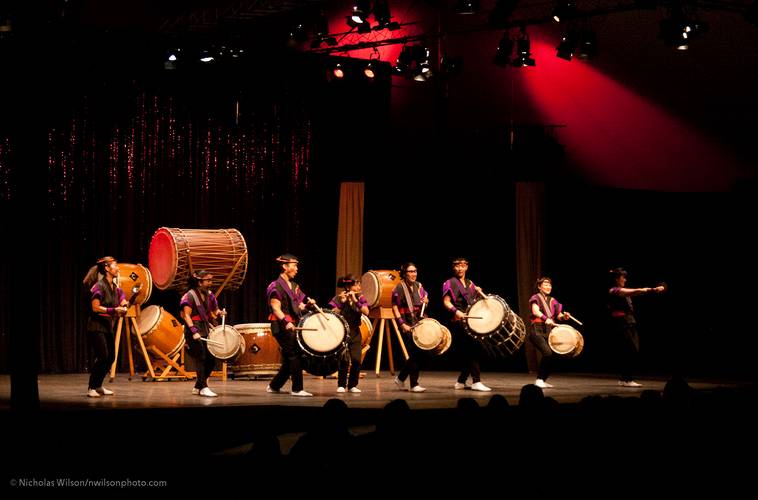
470	352
102	344
538	337
628	348
291	363
411	367
353	362
204	360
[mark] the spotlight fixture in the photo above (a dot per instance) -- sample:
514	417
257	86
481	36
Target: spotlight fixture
413	62
565	49
338	71
679	29
359	14
504	51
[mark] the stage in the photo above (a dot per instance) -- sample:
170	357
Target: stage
60	392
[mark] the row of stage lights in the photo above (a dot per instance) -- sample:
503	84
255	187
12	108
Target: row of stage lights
678	30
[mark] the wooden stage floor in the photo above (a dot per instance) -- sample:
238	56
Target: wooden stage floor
69	391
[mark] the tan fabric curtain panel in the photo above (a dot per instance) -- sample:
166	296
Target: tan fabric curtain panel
350	229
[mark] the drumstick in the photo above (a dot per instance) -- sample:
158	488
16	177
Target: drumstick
214	342
423	306
473	317
321	311
223	319
482	294
305	329
577	321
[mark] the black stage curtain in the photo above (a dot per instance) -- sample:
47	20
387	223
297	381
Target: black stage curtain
224	147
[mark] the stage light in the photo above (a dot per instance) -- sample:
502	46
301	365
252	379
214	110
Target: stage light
586	48
523	56
338	71
565	49
504	51
359	14
206	57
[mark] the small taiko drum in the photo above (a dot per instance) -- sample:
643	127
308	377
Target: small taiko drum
223	252
429	335
566	341
225	343
486	316
322	336
377	287
160	330
367	331
262	355
132	276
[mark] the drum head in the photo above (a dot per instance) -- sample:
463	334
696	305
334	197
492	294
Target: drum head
226	342
133	275
323	332
447	341
148	319
371	288
162	258
487	315
427	334
563	339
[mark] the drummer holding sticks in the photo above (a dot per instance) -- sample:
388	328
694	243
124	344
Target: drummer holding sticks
458	293
286	303
199	309
545	310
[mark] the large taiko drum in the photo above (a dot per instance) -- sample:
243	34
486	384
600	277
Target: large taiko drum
566	341
131	276
486	316
430	335
323	339
262	355
377	287
225	343
160	330
508	339
221	251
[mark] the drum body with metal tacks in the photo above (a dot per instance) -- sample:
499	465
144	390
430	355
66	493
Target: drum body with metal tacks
367	331
160	330
131	276
377	287
225	343
566	341
429	335
508	339
175	252
486	316
323	340
262	355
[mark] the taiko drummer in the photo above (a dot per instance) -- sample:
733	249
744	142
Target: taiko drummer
458	293
545	310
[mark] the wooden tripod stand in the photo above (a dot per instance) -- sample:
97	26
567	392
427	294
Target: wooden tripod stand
127	326
385	317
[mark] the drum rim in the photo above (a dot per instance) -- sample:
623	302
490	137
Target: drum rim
255	326
377	286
